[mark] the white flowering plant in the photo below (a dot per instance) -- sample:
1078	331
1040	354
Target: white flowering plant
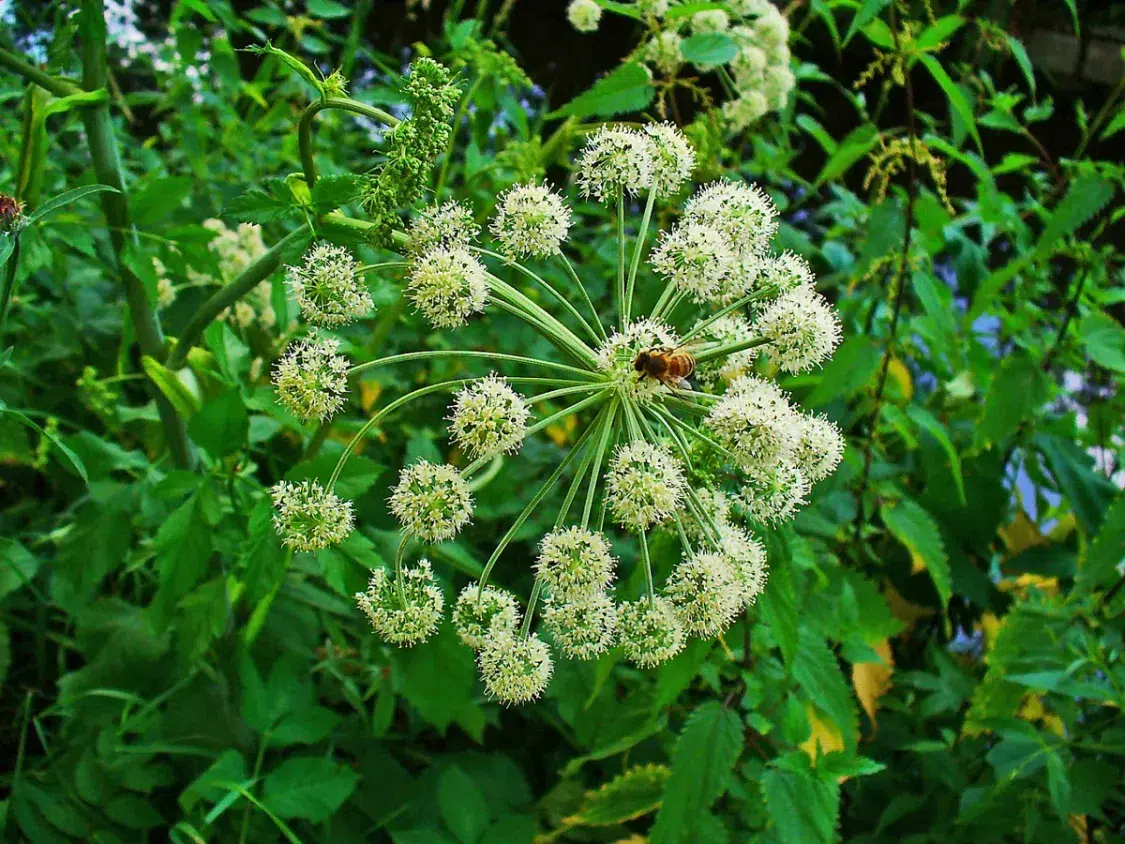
653	452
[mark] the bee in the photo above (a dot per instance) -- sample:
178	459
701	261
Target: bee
671	367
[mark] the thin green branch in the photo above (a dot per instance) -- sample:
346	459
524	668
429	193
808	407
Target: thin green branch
637	250
304	128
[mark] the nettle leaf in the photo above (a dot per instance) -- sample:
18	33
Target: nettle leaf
709	49
157	198
358	475
1104	339
275	201
930	424
222	424
330	192
1017	392
312	788
1088	493
916	529
183	550
1107	551
778	606
816	669
629	88
461	805
626	797
702	762
802	803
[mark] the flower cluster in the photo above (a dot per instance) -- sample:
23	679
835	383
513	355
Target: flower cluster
685	431
328	287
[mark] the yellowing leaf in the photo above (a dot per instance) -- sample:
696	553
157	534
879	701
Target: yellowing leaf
872	680
900	376
825	737
1078	824
560	434
1021	534
369	392
990	625
1034	711
902	609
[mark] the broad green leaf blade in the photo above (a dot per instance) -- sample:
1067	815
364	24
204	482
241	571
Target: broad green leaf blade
66	198
816	669
1087	491
1104	339
851	149
626	797
929	423
71	459
222	424
629	88
312	788
954	94
915	528
802	804
866	13
1107	551
1016	393
709	49
702	762
461	805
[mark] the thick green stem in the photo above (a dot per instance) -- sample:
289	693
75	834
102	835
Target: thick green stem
304	128
730	348
463	353
565	335
603	444
115	206
223	298
637	250
58	86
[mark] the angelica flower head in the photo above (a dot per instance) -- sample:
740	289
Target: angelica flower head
644	485
406	611
448	285
584	15
583	626
649	631
531	220
515	668
743	213
432	501
450	225
615	161
819	448
673	158
696	258
756	422
308	517
488	418
704	593
787	271
311	378
746	557
574	562
328	287
802	328
618	353
775	495
477	611
664	52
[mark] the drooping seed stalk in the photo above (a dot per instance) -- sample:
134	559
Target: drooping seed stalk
585	295
546	285
304	127
466	353
637	250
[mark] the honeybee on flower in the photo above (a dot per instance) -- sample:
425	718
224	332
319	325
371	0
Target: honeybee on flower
713	300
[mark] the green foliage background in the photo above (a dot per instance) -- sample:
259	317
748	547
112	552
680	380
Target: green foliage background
938	653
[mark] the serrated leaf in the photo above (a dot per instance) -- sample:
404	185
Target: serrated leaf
1107	551
709	49
461	805
66	198
358	475
292	62
872	680
626	797
309	787
222	424
183	550
816	669
929	423
911	525
702	762
1017	392
330	192
852	367
778	606
263	205
159	197
1104	339
802	803
629	88
1086	491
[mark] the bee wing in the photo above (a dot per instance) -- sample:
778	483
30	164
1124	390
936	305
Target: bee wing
683	384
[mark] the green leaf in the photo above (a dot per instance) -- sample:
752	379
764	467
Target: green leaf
939	31
157	198
305	726
863	16
330	192
954	94
461	805
1017	392
358	475
778	606
1104	339
1107	551
222	424
183	549
928	423
183	400
309	787
65	198
911	525
851	149
268	204
327	9
1088	493
709	49
852	367
1114	126
816	669
437	677
689	9
72	460
626	797
702	762
801	803
291	62
81	99
629	88
1019	53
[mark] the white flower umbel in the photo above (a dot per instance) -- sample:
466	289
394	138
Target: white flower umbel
747	559
515	668
649	631
308	517
743	213
530	220
778	82
488	418
584	15
774	496
450	225
694	257
705	594
802	328
584	626
673	158
403	613
311	378
448	285
756	422
716	506
432	501
644	485
747	66
820	447
575	561
617	354
787	271
477	612
328	287
731	328
614	162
